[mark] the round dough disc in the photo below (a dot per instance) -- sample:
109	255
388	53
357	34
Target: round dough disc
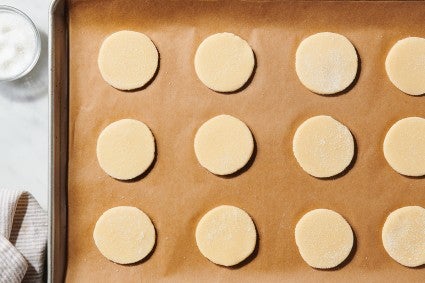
226	235
127	60
405	65
403	235
125	149
323	146
224	62
326	63
223	145
324	238
404	146
124	234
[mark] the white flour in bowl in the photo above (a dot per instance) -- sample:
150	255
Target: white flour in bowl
18	45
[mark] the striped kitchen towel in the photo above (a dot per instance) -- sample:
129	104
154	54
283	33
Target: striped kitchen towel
23	237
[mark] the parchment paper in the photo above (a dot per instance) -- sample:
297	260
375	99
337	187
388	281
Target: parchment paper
274	190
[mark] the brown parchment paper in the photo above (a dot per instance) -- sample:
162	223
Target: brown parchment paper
274	190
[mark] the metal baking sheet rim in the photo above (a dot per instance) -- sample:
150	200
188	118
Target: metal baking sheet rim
58	137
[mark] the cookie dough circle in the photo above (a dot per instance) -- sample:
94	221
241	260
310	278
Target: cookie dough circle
127	60
226	235
323	146
405	65
125	149
223	145
326	63
324	238
404	146
224	62
403	235
124	234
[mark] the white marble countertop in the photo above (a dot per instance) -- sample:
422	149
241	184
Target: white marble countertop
24	117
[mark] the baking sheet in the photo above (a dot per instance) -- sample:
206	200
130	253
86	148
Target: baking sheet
274	190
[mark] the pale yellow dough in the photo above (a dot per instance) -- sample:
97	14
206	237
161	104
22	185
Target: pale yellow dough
326	63
124	234
323	146
125	149
223	145
127	60
403	235
405	65
404	146
324	238
226	235
224	62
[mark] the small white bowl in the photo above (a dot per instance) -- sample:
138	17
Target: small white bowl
8	9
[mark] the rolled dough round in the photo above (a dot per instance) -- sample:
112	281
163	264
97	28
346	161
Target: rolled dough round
403	235
405	65
326	63
404	146
124	234
127	59
226	235
224	62
125	149
223	145
323	146
324	238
